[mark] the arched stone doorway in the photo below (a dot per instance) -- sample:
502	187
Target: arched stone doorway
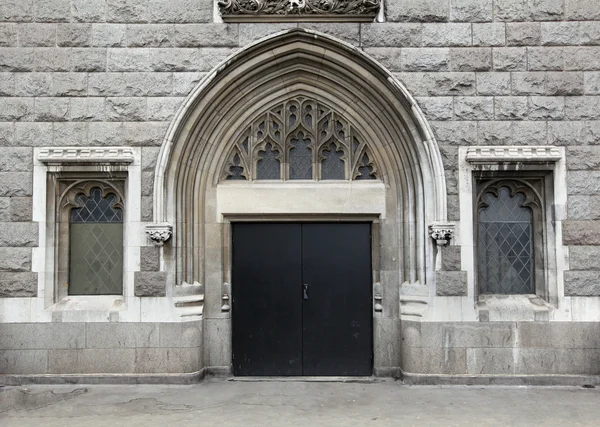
193	194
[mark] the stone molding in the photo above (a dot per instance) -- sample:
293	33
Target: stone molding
326	63
62	155
441	233
298	10
513	154
377	297
189	304
520	164
52	177
159	233
414	301
225	297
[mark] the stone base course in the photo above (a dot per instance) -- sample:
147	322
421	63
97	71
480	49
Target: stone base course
154	352
500	348
100	348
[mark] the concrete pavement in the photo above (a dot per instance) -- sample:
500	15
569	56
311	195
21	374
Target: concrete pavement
225	403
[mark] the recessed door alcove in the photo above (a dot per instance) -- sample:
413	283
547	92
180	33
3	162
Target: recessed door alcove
301	298
193	191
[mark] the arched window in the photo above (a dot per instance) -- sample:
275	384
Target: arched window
508	222
301	158
90	221
332	165
96	245
268	165
300	139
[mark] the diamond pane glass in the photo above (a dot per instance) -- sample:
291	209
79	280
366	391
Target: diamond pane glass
268	166
505	247
332	166
96	246
96	208
96	258
300	158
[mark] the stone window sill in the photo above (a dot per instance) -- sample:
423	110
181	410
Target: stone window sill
106	303
512	308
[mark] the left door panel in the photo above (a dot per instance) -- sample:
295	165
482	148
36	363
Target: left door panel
267	266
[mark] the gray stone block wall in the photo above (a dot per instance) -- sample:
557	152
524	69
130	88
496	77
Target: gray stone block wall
150	283
110	73
500	348
451	283
100	348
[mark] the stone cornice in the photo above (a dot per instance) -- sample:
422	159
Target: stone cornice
513	154
298	10
62	155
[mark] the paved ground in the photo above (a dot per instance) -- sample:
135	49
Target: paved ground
237	403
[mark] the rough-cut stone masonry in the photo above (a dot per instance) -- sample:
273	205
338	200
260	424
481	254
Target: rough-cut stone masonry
114	73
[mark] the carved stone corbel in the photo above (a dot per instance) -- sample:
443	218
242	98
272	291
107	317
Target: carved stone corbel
159	233
441	233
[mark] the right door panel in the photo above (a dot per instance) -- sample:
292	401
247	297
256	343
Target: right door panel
337	310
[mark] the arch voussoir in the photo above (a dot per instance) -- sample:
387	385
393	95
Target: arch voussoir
306	65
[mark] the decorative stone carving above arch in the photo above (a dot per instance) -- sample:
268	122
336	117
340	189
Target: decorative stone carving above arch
205	144
299	10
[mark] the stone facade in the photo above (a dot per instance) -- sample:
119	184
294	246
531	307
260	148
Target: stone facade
133	75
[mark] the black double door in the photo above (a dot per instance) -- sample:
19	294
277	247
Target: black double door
302	302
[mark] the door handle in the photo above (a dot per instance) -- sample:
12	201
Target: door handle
305	291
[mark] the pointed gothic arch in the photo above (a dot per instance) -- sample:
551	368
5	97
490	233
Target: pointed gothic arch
203	141
300	61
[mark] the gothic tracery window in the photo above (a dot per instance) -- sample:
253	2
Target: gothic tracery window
332	166
508	227
300	139
96	245
301	157
91	238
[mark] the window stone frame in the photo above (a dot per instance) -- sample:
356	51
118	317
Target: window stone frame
533	188
519	163
56	171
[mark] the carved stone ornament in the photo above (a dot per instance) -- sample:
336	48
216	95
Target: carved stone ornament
159	233
298	10
441	233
